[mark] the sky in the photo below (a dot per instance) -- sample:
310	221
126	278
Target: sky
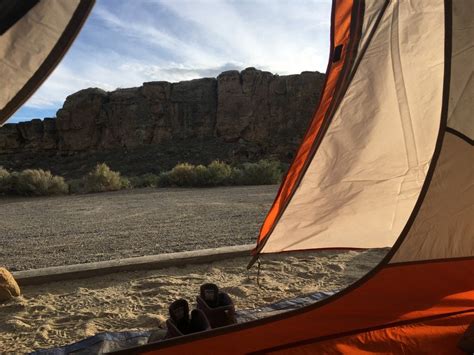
125	43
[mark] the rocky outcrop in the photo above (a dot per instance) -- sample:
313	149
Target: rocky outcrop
271	111
8	286
252	109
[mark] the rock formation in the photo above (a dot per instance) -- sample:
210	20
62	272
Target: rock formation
8	286
252	111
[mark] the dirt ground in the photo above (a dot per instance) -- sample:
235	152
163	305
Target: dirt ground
53	231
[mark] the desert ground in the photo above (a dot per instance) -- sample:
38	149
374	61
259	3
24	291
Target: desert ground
55	231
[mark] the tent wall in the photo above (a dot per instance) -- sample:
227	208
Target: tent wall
34	45
345	35
387	340
367	174
461	116
444	227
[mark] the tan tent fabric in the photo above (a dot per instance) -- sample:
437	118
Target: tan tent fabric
444	227
25	46
372	11
33	46
346	17
461	113
367	174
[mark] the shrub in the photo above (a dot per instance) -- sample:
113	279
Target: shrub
215	174
182	174
37	182
202	176
264	172
103	179
125	183
5	180
4	173
164	179
284	167
219	173
76	186
236	176
146	180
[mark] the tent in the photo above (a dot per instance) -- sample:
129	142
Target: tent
387	161
34	36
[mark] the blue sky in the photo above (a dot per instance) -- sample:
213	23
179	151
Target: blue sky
125	43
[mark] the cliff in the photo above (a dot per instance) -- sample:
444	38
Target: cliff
236	116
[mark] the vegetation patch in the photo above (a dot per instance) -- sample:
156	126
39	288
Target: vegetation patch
38	182
187	175
264	172
102	179
145	180
32	182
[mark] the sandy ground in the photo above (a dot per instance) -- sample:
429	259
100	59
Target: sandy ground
59	313
55	231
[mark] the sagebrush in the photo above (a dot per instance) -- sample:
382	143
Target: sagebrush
33	182
40	182
145	180
264	172
5	180
220	173
102	179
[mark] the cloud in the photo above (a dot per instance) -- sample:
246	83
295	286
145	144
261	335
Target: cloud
282	36
126	43
144	31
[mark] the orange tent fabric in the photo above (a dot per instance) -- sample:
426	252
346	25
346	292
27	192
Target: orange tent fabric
345	36
397	307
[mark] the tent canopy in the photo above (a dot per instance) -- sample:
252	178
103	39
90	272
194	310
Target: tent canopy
356	179
387	161
34	36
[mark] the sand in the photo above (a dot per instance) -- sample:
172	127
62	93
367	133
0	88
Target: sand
59	313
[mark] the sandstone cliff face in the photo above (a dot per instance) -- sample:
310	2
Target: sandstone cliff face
250	108
271	111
